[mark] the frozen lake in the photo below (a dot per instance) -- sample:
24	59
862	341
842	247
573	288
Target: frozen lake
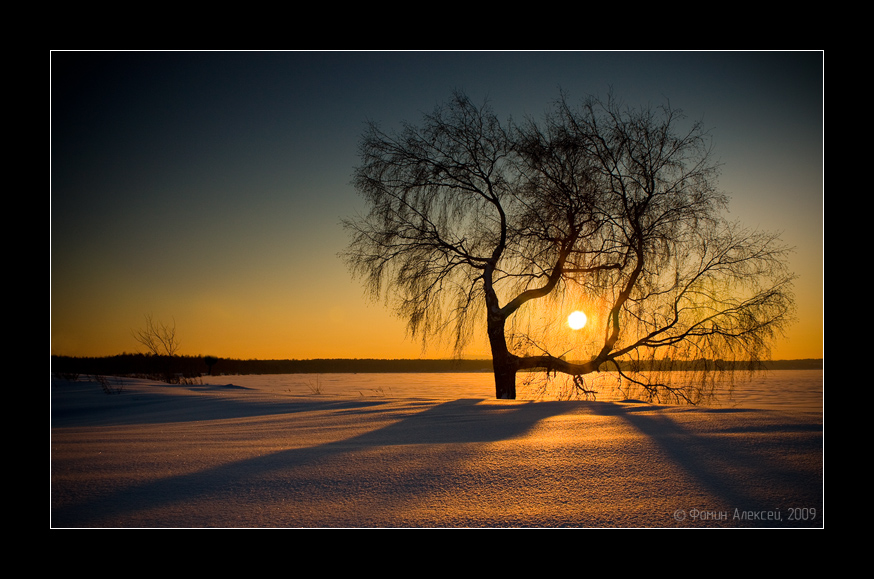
796	390
429	450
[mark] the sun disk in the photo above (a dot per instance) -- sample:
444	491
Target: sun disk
576	320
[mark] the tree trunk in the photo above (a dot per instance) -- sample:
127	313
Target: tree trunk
503	363
505	379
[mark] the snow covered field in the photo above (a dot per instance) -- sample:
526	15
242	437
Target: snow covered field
429	450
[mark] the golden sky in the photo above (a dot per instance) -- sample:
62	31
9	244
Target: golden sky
207	189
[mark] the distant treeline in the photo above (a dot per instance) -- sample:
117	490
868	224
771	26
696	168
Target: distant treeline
188	366
803	364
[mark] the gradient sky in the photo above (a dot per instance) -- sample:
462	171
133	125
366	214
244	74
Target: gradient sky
207	188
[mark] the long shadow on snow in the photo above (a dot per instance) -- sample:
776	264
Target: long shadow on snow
155	407
455	422
750	473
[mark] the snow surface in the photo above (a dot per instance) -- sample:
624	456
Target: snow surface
366	451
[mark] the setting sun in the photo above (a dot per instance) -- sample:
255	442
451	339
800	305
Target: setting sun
576	320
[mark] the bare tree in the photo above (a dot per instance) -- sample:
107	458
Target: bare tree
473	221
158	338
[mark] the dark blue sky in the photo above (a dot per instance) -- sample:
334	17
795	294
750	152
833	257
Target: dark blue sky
208	187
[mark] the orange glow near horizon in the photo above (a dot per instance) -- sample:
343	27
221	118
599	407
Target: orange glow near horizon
238	322
370	336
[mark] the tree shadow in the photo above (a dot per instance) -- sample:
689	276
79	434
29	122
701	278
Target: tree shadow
301	474
748	475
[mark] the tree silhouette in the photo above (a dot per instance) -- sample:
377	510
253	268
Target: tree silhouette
471	221
161	344
158	338
210	362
